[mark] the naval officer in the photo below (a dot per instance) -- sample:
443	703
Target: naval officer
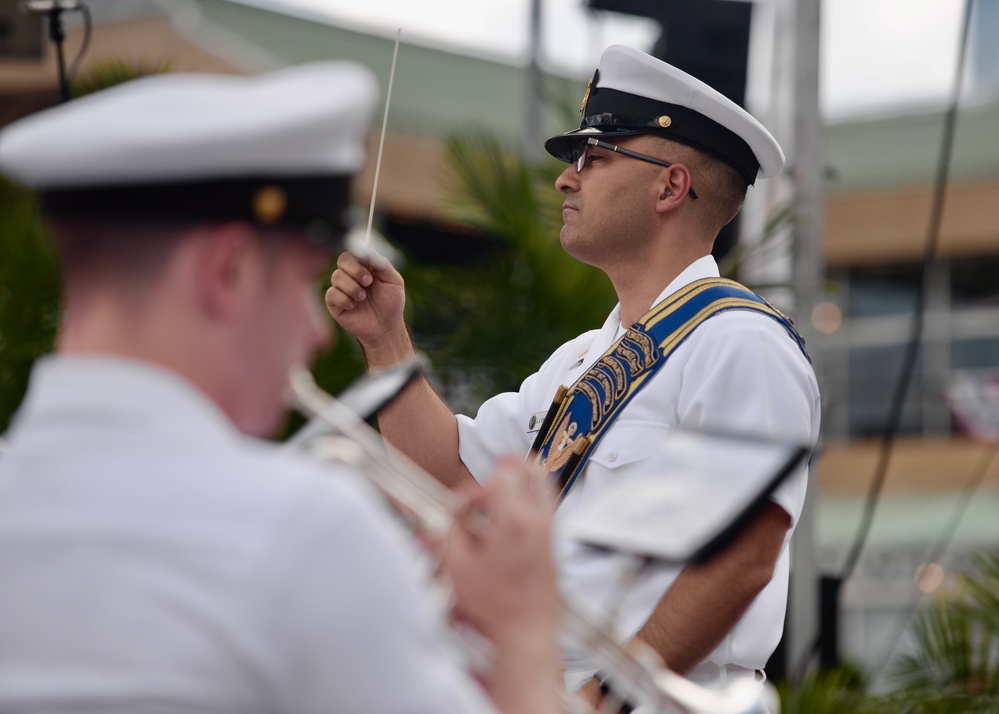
659	164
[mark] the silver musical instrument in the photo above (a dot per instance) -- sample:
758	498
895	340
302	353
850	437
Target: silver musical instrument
431	507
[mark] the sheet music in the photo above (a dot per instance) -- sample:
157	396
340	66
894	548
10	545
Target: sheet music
693	490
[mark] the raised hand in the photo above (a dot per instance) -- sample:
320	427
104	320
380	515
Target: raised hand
366	297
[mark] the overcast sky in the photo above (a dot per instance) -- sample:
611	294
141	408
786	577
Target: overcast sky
877	55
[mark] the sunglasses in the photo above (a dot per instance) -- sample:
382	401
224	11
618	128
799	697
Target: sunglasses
578	156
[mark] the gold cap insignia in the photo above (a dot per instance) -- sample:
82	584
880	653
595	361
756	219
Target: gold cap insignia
665	121
589	87
269	204
585	97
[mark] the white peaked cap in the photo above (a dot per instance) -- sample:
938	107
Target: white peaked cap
633	93
202	146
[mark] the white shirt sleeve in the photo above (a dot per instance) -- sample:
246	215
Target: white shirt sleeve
743	373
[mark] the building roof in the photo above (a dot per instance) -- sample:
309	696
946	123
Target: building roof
880	191
435	90
903	149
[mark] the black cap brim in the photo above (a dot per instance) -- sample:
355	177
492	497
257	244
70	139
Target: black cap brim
561	146
316	206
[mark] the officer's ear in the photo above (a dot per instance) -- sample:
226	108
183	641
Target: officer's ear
674	184
228	266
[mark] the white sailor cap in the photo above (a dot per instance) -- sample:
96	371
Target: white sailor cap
278	149
632	93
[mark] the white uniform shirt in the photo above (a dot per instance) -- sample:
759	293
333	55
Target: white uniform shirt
738	371
153	559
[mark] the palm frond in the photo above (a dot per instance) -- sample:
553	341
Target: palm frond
29	294
836	691
114	71
957	639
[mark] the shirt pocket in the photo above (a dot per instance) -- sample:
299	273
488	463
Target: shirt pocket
627	443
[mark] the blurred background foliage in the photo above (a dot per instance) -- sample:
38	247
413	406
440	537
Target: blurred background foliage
29	293
114	71
957	638
951	667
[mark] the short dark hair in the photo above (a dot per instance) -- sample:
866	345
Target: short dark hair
721	189
129	253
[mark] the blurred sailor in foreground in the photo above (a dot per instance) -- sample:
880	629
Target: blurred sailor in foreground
154	554
659	164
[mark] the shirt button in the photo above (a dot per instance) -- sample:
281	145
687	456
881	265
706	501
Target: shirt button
612	456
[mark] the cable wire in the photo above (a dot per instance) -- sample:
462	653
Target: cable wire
919	317
918	322
87	30
939	549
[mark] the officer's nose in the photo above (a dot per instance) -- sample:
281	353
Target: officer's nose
568	180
